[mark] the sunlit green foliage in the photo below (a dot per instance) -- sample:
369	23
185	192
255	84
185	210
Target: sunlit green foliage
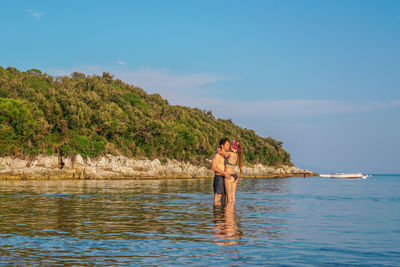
93	115
20	127
86	146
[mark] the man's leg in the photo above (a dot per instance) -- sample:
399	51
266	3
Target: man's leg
219	189
217	199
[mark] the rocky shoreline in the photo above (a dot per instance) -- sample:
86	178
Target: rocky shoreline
111	167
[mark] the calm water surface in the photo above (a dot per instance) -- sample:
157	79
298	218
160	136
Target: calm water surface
295	221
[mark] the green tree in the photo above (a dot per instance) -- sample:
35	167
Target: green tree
93	115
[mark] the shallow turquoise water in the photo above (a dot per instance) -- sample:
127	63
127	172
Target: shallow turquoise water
292	221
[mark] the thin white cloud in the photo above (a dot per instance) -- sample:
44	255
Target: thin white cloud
93	69
36	15
120	62
189	90
291	108
161	81
396	103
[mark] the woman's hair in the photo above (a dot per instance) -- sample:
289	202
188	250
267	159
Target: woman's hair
240	153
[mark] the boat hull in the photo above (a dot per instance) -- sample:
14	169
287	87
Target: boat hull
344	175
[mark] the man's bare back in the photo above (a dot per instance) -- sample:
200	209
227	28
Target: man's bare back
218	164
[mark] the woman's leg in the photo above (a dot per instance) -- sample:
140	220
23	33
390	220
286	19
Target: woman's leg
228	188
233	190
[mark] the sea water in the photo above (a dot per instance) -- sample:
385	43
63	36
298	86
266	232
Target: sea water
289	221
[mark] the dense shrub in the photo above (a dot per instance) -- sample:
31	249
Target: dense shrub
91	115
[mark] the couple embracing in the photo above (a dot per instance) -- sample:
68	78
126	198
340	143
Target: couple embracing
223	165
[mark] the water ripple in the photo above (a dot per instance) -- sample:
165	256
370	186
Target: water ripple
293	221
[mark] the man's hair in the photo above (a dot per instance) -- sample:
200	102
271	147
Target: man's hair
223	141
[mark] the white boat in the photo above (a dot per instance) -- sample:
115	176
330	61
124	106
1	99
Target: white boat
344	175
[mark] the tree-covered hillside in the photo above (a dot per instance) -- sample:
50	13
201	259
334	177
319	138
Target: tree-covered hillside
92	115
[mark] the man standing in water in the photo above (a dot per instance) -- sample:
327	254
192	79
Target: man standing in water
218	166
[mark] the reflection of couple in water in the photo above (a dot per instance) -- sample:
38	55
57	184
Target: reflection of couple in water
226	230
223	164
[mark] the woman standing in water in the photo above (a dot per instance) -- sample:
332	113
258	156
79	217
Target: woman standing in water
232	159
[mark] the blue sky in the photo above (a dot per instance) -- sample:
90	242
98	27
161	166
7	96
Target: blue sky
321	76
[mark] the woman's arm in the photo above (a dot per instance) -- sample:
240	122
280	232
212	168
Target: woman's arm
223	153
237	178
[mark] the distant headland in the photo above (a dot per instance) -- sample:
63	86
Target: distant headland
81	126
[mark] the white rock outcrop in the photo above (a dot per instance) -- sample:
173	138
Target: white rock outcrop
120	167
